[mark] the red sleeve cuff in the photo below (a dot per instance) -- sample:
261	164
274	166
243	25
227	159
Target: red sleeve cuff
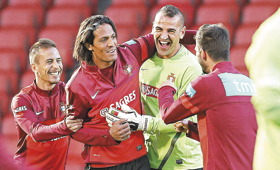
193	131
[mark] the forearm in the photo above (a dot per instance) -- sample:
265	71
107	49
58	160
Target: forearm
170	110
41	132
157	125
94	137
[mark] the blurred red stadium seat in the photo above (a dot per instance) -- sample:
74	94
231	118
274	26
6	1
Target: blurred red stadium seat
194	3
31	3
90	4
5	104
10	66
257	13
10	137
238	2
186	9
67	17
15	41
22	17
275	2
213	14
244	34
127	33
237	55
65	40
27	78
128	16
147	3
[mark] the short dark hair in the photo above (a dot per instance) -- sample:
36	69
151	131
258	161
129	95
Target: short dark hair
171	11
42	43
214	39
86	35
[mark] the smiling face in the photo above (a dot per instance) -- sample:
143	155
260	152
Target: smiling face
104	46
167	33
47	68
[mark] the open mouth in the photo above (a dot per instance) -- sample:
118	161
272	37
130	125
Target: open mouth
164	44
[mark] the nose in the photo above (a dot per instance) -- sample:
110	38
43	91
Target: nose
111	42
164	35
55	64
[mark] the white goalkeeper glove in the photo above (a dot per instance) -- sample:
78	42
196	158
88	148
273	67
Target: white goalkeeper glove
136	121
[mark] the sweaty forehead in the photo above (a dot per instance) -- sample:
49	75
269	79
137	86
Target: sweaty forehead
162	20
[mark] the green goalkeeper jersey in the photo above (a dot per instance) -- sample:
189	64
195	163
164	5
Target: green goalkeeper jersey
166	148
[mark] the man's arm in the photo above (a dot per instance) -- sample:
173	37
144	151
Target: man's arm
190	128
88	134
103	137
36	129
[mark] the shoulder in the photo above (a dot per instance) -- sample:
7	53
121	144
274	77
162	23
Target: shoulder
23	98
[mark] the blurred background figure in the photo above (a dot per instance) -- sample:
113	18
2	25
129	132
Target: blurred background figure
263	61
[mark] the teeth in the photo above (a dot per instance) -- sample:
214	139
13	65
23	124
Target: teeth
55	73
164	43
112	51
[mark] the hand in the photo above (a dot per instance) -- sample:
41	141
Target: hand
73	124
136	121
182	126
168	83
120	130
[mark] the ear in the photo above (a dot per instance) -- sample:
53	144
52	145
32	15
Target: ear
204	55
89	46
182	32
34	68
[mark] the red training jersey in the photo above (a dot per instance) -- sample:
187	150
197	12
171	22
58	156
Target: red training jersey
43	135
226	118
91	94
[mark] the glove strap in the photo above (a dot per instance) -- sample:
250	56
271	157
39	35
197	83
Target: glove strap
167	155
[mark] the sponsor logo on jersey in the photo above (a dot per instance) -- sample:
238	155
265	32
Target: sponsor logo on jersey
237	84
20	109
38	113
55	139
128	69
148	90
190	90
171	77
104	111
124	100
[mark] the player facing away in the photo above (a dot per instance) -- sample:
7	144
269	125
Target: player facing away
168	149
222	101
39	111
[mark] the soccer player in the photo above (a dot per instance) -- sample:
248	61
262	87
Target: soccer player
168	149
43	129
108	77
263	60
39	111
221	99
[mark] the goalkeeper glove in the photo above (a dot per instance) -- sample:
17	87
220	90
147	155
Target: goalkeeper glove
136	121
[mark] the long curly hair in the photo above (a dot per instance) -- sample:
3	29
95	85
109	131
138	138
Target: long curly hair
86	35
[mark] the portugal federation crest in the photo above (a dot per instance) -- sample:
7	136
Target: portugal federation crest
171	77
128	69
